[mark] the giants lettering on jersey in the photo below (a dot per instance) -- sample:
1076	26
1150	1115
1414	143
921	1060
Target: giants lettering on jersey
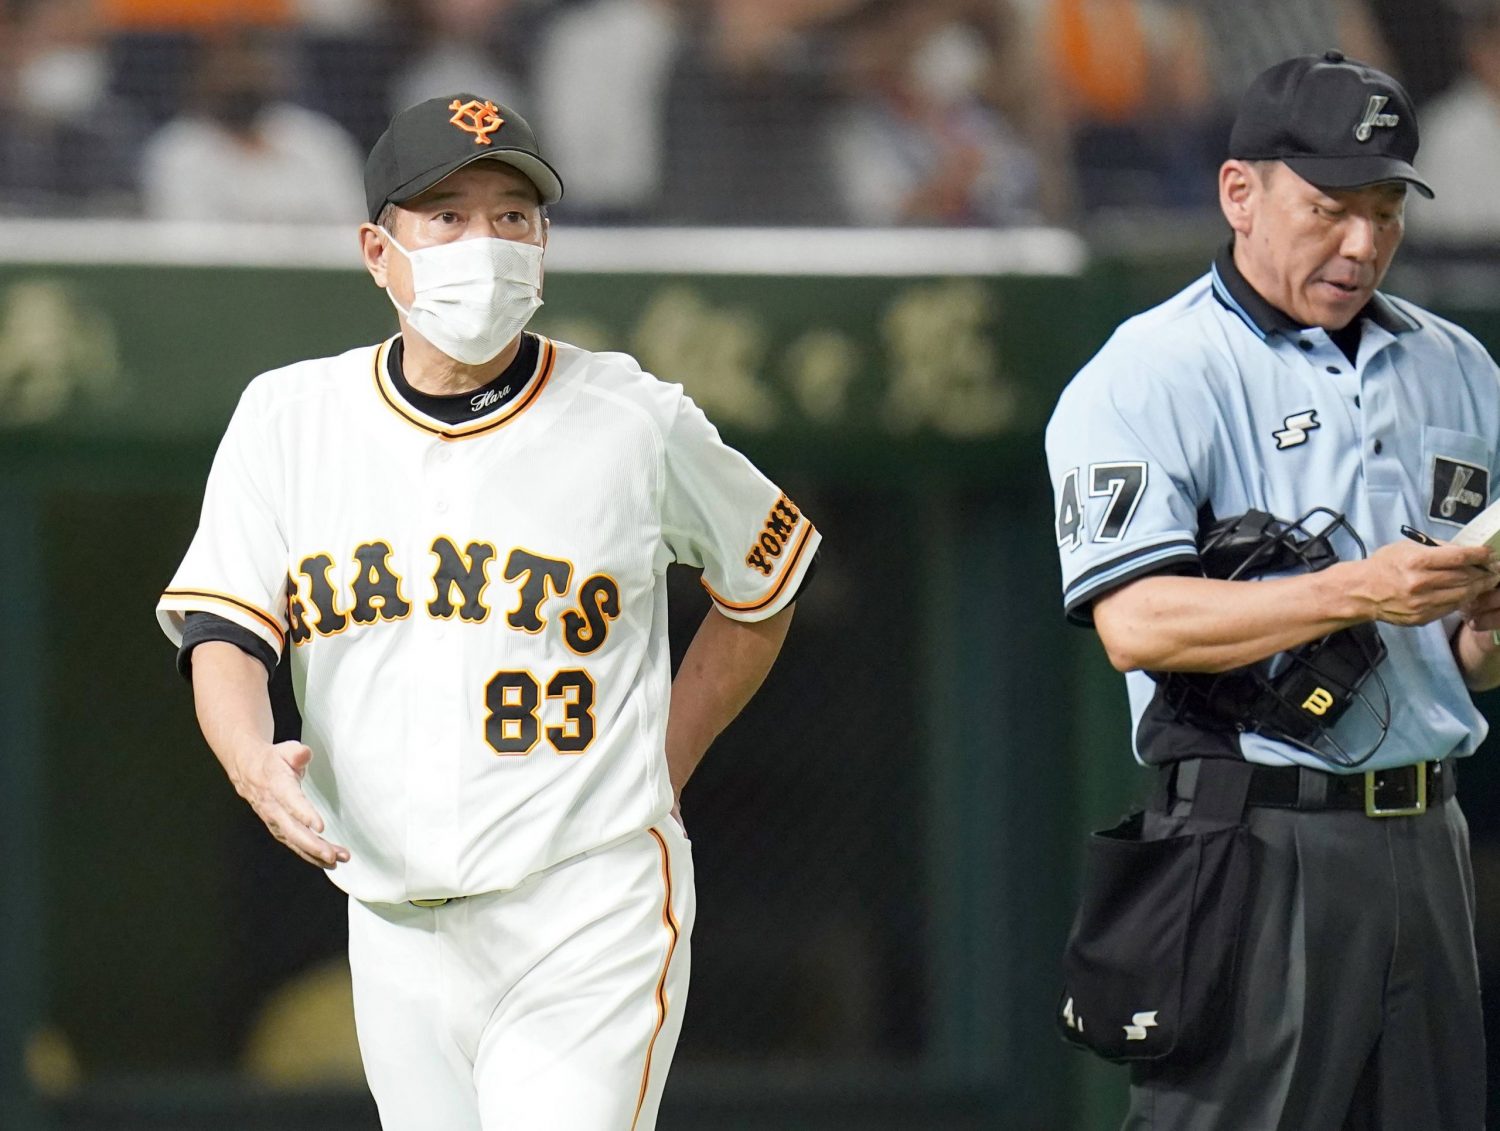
318	607
774	536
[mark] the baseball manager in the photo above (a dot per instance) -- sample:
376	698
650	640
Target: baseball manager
460	537
1233	472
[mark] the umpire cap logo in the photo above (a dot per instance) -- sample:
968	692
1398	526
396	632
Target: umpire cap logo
1373	117
478	118
1459	490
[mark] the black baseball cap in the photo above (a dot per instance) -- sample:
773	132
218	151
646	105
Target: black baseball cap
1335	122
426	142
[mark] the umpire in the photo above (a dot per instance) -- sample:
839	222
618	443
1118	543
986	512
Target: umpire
1280	382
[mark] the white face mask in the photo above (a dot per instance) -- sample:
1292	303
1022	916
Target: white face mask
472	297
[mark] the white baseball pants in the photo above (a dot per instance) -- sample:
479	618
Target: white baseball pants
554	1005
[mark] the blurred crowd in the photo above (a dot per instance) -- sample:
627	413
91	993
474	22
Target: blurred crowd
764	112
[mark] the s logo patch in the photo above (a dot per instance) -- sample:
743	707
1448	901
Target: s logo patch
1294	429
1459	490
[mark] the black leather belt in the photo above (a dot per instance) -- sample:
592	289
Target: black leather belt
1402	791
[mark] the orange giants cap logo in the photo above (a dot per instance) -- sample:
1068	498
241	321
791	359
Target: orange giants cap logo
478	118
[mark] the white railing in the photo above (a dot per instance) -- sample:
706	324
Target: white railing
710	251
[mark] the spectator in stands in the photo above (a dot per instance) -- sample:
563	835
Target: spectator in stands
1424	38
352	17
1149	87
1114	67
194	15
608	131
241	152
1461	142
64	146
1221	45
152	42
921	142
749	109
460	45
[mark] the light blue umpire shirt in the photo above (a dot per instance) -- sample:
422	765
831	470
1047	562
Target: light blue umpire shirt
1216	403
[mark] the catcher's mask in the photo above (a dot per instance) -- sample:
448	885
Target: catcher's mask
1298	695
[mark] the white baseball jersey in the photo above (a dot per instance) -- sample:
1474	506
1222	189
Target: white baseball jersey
477	612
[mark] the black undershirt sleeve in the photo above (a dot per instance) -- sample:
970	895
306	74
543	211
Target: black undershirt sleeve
199	628
807	576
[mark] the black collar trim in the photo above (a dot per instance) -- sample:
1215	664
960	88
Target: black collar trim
1235	293
476	404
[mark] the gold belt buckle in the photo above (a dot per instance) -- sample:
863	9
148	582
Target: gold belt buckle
1372	809
428	902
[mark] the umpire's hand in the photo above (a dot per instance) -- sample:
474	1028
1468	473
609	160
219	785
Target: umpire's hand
1483	613
1476	644
1408	583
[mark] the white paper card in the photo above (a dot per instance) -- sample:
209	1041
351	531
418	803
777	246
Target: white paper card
1483	530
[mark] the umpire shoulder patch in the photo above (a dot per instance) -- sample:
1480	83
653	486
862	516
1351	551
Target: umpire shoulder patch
1460	490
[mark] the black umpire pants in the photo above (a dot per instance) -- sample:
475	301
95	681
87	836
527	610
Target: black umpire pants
1356	1006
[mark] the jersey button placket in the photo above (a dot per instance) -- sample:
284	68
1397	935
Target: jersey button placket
1381	459
1327	362
437	480
433	833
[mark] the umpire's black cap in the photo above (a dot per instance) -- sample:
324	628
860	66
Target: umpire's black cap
426	142
1335	122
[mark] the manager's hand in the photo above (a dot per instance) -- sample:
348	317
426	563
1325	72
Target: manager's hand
234	712
269	777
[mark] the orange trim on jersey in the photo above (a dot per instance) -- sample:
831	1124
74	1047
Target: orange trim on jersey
244	606
394	401
669	920
786	575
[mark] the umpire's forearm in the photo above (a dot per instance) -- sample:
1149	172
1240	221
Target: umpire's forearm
724	666
232	700
1207	625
